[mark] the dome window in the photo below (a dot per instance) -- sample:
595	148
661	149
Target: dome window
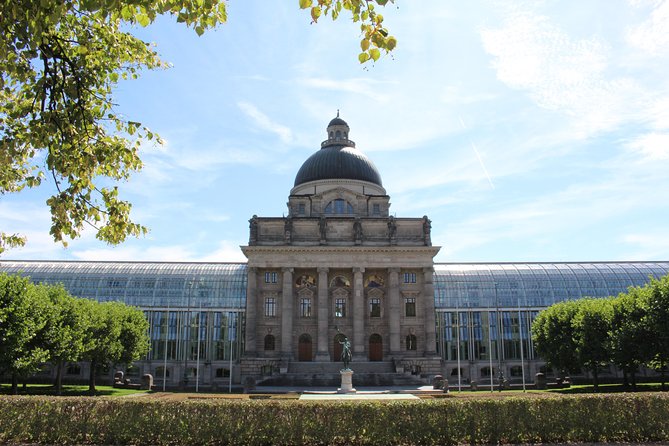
339	206
338	135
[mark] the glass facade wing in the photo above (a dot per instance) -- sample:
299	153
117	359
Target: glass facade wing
535	285
144	284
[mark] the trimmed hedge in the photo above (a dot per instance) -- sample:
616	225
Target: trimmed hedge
591	418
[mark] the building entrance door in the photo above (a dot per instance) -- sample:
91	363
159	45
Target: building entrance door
375	348
304	348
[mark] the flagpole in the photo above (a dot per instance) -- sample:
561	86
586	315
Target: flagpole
167	331
199	341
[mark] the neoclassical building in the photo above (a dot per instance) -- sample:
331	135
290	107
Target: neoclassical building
340	264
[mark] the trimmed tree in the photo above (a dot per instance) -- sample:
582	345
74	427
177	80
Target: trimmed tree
113	333
657	320
24	313
553	336
592	324
63	334
629	335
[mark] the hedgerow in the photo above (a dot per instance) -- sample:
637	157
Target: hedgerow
83	420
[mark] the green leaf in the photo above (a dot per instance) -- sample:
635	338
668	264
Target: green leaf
315	13
375	54
304	4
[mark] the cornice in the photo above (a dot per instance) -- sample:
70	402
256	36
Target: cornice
357	249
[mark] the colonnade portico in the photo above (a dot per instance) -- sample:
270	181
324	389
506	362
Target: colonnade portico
287	312
361	288
358	315
322	354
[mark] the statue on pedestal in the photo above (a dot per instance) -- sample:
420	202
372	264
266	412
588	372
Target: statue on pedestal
346	355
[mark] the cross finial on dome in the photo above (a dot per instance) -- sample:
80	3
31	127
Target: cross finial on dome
337	112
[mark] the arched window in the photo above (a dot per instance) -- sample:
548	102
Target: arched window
160	372
411	342
338	135
516	371
339	206
269	342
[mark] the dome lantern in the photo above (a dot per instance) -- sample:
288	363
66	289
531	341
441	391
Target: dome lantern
338	133
338	159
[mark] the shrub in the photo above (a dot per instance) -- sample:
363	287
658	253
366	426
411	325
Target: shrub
591	418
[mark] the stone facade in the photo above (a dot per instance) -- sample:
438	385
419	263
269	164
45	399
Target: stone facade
339	265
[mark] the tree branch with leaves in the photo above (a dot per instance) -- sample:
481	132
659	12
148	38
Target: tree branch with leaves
60	63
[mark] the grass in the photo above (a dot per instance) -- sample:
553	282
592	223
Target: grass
68	390
609	388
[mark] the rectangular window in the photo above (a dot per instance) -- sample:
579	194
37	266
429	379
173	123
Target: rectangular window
305	307
340	307
374	307
271	277
301	209
270	306
410	307
376	209
409	277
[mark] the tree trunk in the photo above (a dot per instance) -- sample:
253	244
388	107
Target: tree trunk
91	378
595	379
626	382
58	384
15	384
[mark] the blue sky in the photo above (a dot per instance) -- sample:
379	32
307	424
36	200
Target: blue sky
527	131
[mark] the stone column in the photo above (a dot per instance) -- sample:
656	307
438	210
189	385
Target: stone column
358	315
251	309
430	319
322	352
287	313
394	309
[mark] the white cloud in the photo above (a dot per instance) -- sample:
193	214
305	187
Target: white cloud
652	36
136	253
653	146
560	72
226	251
361	86
265	123
647	246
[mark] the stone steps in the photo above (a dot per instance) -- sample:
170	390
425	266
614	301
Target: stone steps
334	380
314	368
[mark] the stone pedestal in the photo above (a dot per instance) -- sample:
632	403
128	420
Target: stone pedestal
346	381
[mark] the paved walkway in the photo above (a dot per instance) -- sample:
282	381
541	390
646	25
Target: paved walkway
411	390
356	396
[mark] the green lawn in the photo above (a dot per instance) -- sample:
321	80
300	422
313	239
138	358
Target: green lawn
609	388
68	390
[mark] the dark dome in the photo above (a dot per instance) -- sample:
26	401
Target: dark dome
335	162
337	121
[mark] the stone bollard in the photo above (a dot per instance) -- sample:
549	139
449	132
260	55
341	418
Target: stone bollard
147	382
540	381
249	384
438	382
473	386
